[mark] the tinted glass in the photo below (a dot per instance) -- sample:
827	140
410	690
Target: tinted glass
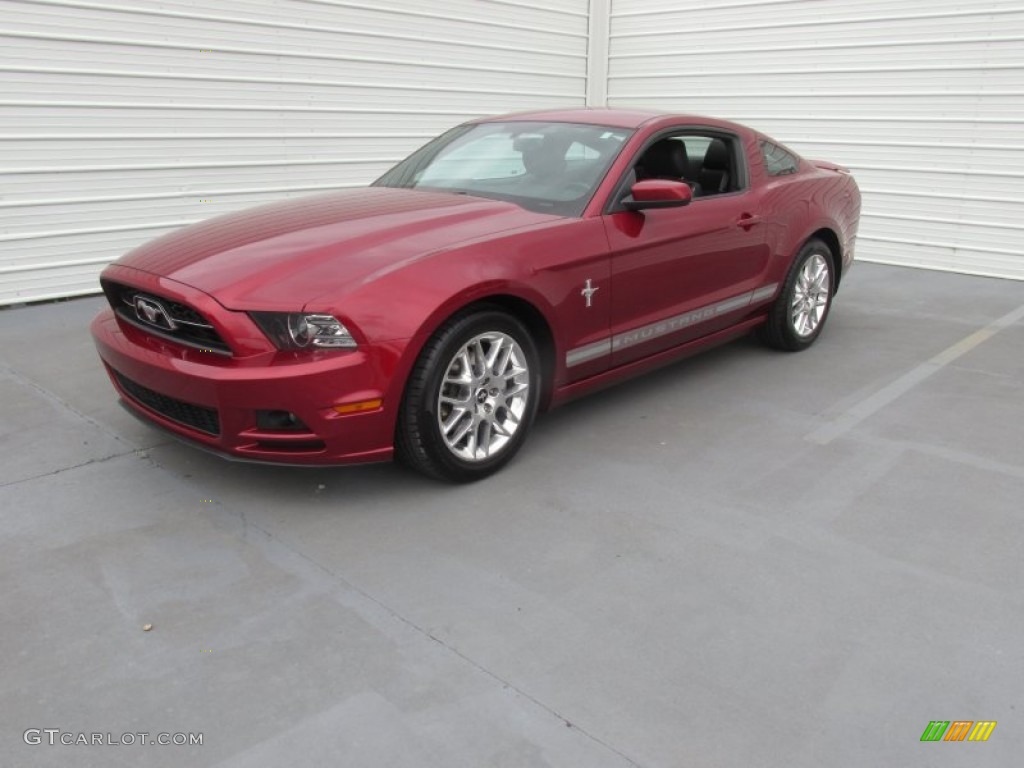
546	167
777	161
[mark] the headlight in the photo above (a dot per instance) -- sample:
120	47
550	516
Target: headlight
300	331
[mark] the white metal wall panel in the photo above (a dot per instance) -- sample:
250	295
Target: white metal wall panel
121	120
923	99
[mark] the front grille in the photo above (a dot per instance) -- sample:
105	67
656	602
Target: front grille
196	416
182	323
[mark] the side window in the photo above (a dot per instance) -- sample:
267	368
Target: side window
708	162
778	161
696	149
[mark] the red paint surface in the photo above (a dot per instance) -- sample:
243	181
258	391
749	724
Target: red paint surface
393	264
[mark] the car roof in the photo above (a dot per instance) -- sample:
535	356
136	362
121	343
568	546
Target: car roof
616	118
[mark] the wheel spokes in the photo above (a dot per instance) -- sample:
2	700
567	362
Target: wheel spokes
484	438
491	358
457	414
810	296
483	396
503	367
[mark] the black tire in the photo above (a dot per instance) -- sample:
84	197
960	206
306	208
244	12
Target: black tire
420	441
789	326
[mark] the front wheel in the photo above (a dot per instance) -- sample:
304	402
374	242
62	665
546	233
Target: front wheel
796	318
471	397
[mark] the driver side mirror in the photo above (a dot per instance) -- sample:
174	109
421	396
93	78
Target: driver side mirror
658	193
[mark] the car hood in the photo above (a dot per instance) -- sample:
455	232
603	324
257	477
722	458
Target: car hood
280	256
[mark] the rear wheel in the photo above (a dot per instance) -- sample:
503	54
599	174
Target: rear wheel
471	397
796	318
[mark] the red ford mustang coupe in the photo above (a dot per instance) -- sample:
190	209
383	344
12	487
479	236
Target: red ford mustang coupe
508	265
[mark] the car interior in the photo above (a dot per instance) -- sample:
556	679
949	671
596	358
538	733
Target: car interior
545	159
705	163
714	175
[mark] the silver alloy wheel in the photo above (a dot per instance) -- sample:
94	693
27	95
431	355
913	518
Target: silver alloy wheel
484	394
810	295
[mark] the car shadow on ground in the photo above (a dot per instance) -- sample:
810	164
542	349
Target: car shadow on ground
308	490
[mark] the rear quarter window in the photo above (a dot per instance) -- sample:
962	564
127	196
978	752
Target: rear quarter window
778	161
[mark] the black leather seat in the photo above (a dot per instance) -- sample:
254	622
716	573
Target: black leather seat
665	159
714	172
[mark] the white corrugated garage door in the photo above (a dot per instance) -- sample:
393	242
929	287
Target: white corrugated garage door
122	120
119	121
923	99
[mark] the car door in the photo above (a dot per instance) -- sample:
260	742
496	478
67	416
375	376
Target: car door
681	273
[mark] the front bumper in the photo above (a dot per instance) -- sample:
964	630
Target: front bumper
213	400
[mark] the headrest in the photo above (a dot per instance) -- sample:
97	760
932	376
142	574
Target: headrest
716	158
665	159
545	158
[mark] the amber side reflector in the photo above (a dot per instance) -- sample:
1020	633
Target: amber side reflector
365	405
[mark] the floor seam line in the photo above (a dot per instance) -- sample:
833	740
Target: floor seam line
61	470
873	403
424	633
58	401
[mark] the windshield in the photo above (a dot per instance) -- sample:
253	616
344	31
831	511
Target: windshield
544	167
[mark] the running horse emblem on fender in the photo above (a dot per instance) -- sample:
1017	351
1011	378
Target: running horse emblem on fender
588	292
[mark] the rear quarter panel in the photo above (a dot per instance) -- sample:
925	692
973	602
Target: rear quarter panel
796	206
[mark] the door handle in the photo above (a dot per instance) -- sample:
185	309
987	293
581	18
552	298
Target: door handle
747	220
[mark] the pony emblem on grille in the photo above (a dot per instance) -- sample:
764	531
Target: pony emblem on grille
152	312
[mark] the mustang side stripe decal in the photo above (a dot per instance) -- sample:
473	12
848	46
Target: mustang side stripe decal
588	352
764	292
664	327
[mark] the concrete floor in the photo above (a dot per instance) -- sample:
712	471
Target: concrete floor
747	559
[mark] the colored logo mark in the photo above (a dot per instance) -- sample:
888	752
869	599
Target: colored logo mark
958	730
